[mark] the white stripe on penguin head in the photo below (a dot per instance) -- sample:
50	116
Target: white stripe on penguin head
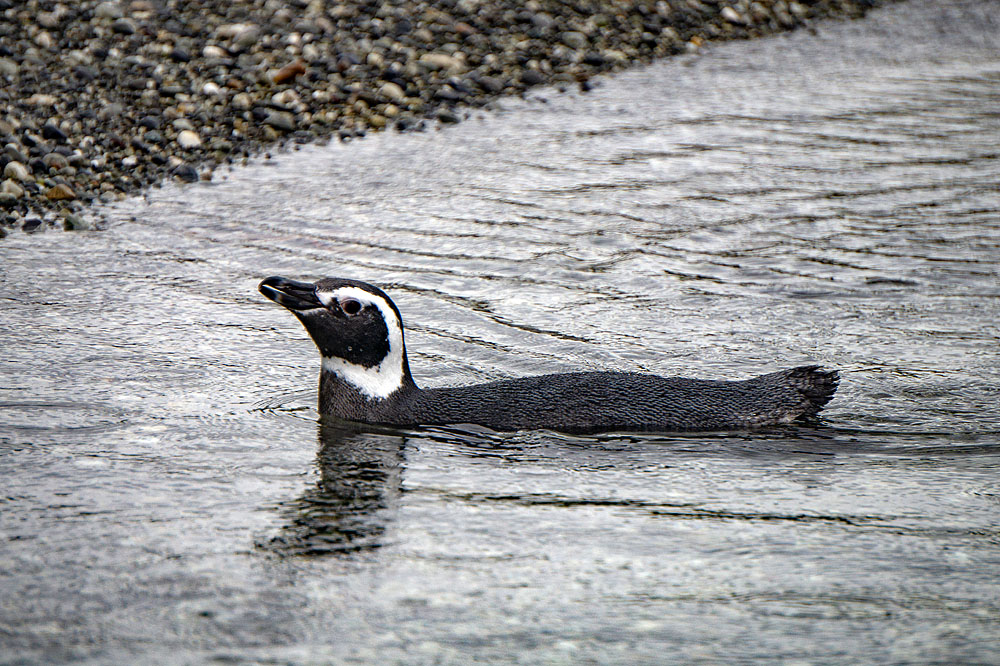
384	379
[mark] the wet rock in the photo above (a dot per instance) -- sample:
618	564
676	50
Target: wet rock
31	225
532	77
74	222
490	84
185	172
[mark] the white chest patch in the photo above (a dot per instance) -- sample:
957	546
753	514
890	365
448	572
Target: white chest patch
384	379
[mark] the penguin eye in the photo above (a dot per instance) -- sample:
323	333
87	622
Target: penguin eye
350	306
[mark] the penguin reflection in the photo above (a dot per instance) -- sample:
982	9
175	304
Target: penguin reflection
357	494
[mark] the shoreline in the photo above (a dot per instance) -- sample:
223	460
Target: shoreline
104	99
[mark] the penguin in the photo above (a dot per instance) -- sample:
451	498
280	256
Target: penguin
365	377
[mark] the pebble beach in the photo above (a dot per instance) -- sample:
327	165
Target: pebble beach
100	100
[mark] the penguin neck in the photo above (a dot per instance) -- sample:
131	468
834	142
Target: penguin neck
357	393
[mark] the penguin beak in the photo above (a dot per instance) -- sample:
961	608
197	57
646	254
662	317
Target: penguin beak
289	293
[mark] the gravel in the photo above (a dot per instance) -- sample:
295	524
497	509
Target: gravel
99	100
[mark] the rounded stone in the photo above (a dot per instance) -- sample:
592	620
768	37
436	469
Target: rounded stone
280	120
124	26
108	10
12	188
574	40
392	92
55	161
242	101
188	139
185	172
13	152
8	67
17	171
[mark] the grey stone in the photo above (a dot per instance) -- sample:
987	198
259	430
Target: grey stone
124	26
574	40
280	120
108	10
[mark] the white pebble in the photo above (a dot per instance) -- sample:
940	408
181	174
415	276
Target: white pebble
242	101
188	139
212	51
17	171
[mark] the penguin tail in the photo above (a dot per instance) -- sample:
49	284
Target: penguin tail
815	385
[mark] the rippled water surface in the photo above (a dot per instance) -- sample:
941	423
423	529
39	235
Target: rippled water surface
168	496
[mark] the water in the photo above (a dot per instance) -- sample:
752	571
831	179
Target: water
168	496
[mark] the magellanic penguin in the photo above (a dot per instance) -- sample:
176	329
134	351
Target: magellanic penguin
365	377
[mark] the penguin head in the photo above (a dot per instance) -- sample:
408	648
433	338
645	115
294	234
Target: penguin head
357	328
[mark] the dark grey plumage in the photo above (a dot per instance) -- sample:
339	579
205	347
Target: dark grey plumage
580	402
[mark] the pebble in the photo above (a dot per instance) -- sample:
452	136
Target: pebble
392	91
42	99
185	172
731	15
242	101
213	51
188	139
55	161
439	61
12	188
289	72
60	192
124	26
74	222
8	67
108	10
574	40
17	171
53	133
280	120
11	151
